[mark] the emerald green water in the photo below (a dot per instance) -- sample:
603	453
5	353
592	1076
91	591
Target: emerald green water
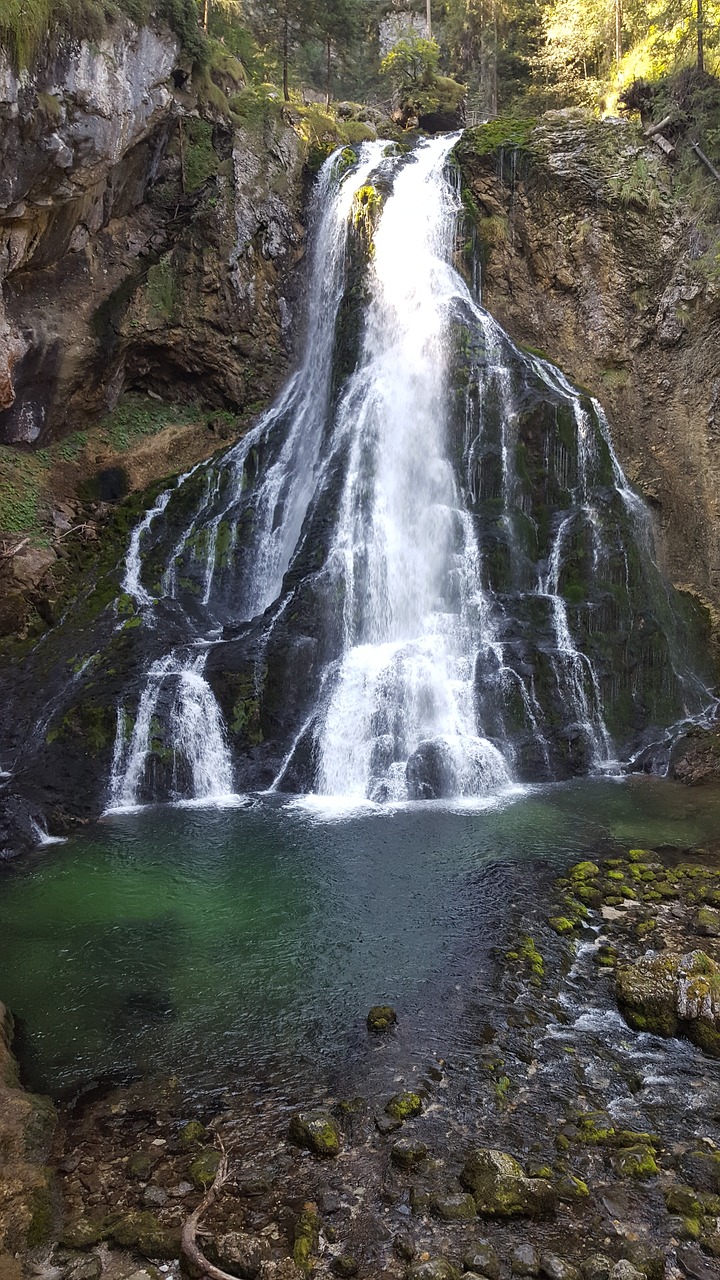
246	945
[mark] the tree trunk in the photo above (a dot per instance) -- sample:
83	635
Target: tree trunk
618	30
328	70
429	19
700	44
286	56
206	14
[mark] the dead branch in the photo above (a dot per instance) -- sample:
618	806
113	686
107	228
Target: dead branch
7	552
191	1230
708	163
652	129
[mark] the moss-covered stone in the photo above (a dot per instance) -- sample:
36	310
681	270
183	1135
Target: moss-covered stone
317	1131
403	1106
203	1169
434	1269
562	925
636	1162
407	1153
192	1133
381	1018
501	1188
647	994
306	1238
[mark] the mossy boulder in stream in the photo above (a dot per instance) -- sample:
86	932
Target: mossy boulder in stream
672	995
503	1190
317	1131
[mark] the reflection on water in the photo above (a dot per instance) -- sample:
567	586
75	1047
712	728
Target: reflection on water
246	945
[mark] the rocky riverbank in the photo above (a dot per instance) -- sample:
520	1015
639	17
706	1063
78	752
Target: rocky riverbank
566	1143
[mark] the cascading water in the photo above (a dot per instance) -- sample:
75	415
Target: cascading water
423	573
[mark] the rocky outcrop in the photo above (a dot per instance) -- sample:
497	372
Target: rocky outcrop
672	995
144	242
589	253
27	1196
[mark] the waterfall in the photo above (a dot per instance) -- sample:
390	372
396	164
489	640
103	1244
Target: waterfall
423	573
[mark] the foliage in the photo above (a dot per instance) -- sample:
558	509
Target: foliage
200	158
25	24
412	61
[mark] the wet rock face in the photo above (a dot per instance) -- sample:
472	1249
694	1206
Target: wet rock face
612	290
141	243
27	1125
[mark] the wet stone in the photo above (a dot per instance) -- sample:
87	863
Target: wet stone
408	1154
624	1270
596	1267
404	1246
403	1106
556	1268
454	1207
154	1197
242	1254
344	1266
86	1266
524	1260
502	1190
434	1269
483	1260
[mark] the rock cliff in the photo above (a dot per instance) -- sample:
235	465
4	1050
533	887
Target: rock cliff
588	254
144	240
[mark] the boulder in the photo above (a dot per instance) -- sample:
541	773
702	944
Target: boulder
501	1188
381	1018
317	1131
672	994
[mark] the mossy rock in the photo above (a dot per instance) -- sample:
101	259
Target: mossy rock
203	1169
562	925
192	1133
407	1154
482	1260
306	1238
501	1188
584	871
317	1131
434	1269
636	1162
381	1018
647	994
140	1165
84	1233
571	1189
403	1106
707	922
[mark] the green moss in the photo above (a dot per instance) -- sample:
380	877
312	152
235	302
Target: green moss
404	1105
561	925
191	1133
636	1162
200	161
505	131
42	1214
528	953
306	1239
203	1169
160	289
584	871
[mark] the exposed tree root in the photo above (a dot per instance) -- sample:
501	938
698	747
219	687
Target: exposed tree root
190	1246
